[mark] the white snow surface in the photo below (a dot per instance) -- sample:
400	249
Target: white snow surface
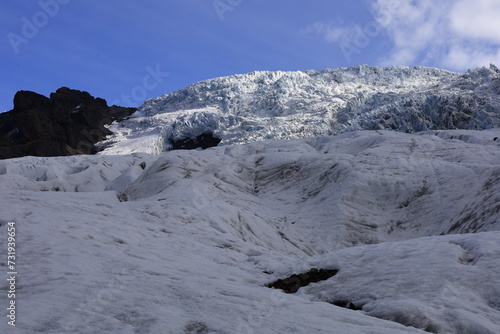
289	105
188	245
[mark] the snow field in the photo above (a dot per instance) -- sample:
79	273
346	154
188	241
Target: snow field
187	244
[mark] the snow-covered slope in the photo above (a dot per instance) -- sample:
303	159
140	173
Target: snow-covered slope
187	242
290	105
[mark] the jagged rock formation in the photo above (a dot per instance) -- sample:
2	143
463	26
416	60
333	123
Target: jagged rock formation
69	122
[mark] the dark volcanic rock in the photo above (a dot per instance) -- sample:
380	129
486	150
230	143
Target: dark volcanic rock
69	122
26	100
204	141
346	304
293	283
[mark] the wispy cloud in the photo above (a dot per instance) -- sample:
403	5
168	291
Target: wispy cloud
331	32
352	39
454	34
477	19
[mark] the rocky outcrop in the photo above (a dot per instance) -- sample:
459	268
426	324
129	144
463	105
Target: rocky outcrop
293	283
69	122
203	141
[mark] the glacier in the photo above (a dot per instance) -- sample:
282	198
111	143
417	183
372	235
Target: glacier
187	241
266	105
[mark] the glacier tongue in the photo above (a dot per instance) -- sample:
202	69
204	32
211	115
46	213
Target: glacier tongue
289	105
189	243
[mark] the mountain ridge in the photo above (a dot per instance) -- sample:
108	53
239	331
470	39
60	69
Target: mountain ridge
289	105
255	106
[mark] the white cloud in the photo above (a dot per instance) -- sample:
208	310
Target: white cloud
331	32
351	39
456	34
462	57
479	19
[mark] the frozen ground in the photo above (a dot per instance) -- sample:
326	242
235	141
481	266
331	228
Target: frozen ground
187	242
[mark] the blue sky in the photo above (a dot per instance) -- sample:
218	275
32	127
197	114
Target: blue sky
128	51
